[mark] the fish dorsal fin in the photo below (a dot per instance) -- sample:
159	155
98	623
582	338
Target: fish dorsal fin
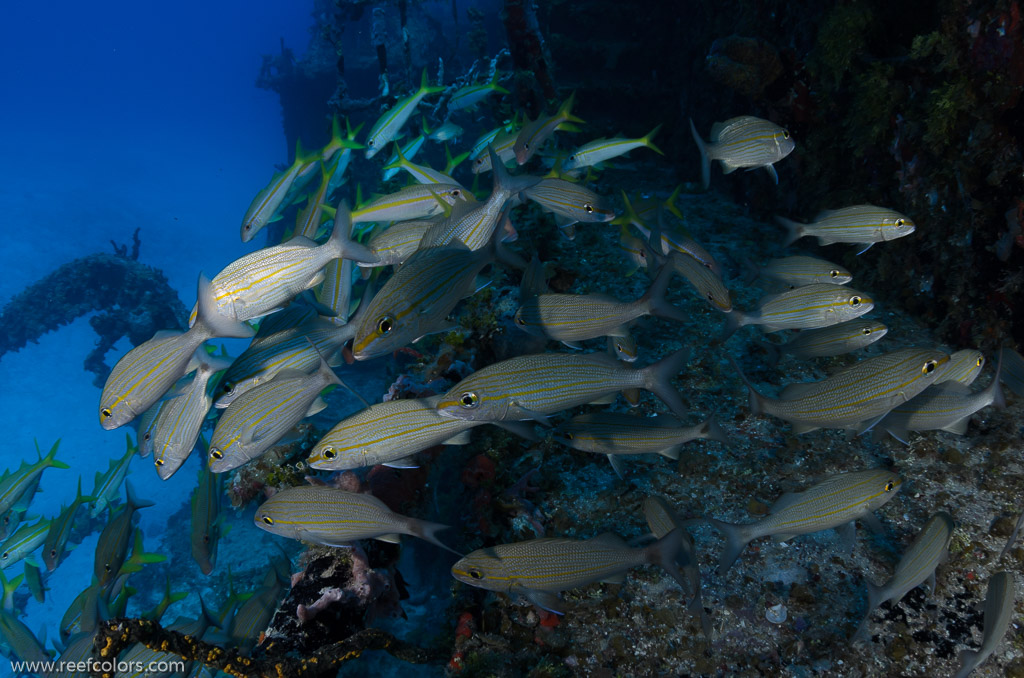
785	501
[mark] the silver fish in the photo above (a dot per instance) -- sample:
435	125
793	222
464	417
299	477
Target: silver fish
540	568
572	202
390	124
964	367
703	279
840	339
800	270
332	517
1013	370
418	201
743	142
928	550
533	135
534	386
861	224
999	612
600	150
805	308
832	503
858	393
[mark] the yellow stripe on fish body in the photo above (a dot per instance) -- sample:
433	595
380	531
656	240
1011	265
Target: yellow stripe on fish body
677	242
836	340
600	150
613	433
254	422
533	135
178	424
964	367
808	307
335	291
396	243
417	201
858	393
503	146
265	207
25	540
575	317
390	124
862	224
416	299
570	200
707	283
747	141
14	485
802	270
385	433
308	221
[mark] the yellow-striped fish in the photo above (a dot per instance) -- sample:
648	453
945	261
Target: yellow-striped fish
417	299
614	434
417	201
142	376
22	642
832	503
13	485
266	280
266	206
928	550
107	486
804	308
534	134
845	337
743	142
396	243
309	218
856	394
571	318
534	386
259	418
340	143
326	515
999	612
390	124
335	292
600	150
392	167
800	270
470	95
60	529
503	145
112	546
572	202
177	427
423	174
964	367
205	514
677	242
23	543
705	281
861	224
541	568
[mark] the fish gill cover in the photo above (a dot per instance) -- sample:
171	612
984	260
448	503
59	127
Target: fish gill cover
480	355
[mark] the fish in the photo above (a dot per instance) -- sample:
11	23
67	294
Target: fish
928	550
56	539
340	144
860	225
298	347
22	544
14	484
266	206
390	124
427	175
112	546
343	157
640	211
417	201
800	270
326	515
107	486
417	299
254	616
745	142
615	434
265	280
569	201
601	150
624	348
77	652
180	421
571	318
662	519
34	581
999	612
946	408
826	342
804	308
144	374
169	598
858	393
471	95
9	587
390	433
21	641
504	148
259	418
409	151
446	131
474	224
832	503
309	218
335	291
678	242
205	523
1013	370
533	135
144	424
534	386
399	241
964	367
705	281
539	569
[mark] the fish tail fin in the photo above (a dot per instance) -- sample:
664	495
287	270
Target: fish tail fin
733	321
495	87
341	239
968	662
646	140
663	554
736	539
629	215
351	133
50	458
133	500
658	380
565	110
874	600
995	389
712	430
654	300
428	532
451	163
670	202
425	87
423	126
505	182
400	160
794	230
705	159
756	399
216	324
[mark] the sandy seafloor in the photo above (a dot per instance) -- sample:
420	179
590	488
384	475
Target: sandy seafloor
182	155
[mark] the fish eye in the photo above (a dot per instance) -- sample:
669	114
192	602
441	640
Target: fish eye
476	574
370	143
456	193
105	413
785	134
469	399
4	556
385	325
158	462
568	436
901	221
329	453
519	320
206	539
855	301
979	362
53	553
216	453
248	227
711	297
588	208
228	388
146	436
929	367
889	486
267	520
833	273
106	567
866	331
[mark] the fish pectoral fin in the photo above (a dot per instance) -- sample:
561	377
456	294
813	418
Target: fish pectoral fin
461	438
520	413
958	427
317	279
632	396
390	538
617	465
576	346
847	535
865	247
544	600
772	173
619	578
871	522
931	583
318	405
404	462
